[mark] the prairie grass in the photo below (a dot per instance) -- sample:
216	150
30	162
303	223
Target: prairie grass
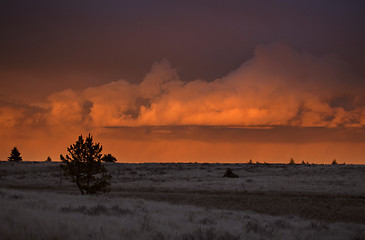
44	215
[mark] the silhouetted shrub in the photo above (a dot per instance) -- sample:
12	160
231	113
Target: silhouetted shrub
108	158
291	161
84	166
49	159
230	174
334	162
15	155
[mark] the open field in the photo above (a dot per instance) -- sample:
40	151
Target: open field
186	201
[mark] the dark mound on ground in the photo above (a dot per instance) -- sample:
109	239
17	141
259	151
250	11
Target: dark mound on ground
230	174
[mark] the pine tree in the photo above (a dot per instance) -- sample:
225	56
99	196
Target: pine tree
15	155
84	166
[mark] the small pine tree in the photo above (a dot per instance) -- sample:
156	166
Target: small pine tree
334	162
84	166
15	155
291	161
108	158
49	159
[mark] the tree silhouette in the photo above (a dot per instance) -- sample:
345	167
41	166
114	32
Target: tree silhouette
84	166
108	158
15	155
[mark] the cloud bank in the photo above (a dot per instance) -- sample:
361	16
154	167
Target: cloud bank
278	86
268	109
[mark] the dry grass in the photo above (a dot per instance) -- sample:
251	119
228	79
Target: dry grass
327	196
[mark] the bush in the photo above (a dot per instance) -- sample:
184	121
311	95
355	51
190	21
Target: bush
108	158
230	174
291	161
334	162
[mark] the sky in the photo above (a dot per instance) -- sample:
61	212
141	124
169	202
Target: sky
185	81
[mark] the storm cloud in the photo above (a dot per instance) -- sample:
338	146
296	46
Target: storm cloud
279	86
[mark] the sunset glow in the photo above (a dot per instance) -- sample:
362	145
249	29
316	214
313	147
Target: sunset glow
155	100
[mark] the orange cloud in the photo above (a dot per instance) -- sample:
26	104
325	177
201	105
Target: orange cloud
279	86
10	117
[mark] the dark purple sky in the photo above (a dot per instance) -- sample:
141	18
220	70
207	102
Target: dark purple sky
52	45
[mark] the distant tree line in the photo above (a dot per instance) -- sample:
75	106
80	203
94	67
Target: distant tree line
292	162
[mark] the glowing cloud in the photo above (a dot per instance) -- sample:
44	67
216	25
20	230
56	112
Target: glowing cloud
279	86
265	109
